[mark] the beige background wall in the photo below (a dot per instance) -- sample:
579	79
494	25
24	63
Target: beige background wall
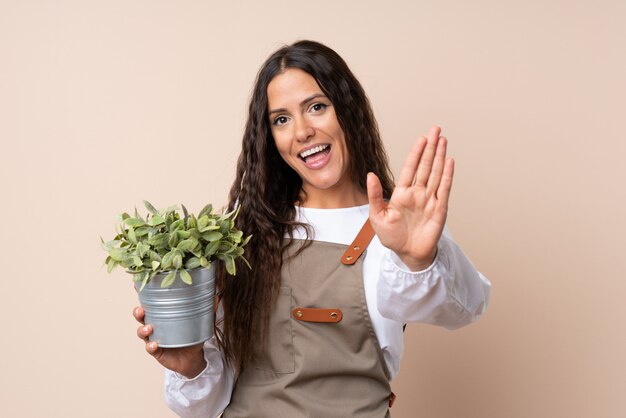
104	104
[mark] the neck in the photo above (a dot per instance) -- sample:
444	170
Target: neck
332	199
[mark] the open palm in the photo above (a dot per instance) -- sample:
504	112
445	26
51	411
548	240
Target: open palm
411	222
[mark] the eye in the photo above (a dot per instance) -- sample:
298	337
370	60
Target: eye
318	107
281	120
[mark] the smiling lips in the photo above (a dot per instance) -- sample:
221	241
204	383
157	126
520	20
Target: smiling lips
316	157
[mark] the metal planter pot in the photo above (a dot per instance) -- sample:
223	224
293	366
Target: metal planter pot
181	315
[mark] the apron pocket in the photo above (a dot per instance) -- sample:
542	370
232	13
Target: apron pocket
279	356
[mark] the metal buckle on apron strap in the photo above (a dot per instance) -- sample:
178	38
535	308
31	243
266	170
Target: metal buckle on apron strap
359	244
317	314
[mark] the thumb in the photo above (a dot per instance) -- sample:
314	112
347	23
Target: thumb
375	195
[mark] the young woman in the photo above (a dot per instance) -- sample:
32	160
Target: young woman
341	257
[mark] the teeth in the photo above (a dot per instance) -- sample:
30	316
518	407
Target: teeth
313	151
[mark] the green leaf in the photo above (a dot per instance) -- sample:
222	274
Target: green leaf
192	222
122	231
176	225
192	263
150	208
169	279
225	227
187	245
197	250
154	256
142	231
169	218
212	236
144	281
137	261
226	247
203	222
204	262
142	249
230	265
186	277
172	240
134	222
156	220
108	246
211	249
159	240
246	261
206	210
155	264
210	228
139	276
170	210
183	234
236	212
111	264
185	212
177	261
245	241
118	254
127	262
167	259
131	235
231	213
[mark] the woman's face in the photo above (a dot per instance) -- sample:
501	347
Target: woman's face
309	138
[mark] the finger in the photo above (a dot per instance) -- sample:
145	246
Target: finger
144	332
443	192
375	195
139	314
426	162
153	349
438	166
410	164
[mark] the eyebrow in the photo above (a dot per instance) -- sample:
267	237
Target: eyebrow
302	103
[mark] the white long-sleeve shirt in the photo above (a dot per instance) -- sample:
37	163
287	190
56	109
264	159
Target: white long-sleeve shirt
450	293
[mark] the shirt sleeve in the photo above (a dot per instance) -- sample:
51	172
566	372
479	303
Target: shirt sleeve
206	395
449	293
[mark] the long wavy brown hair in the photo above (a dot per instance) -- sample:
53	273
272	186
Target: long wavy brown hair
267	190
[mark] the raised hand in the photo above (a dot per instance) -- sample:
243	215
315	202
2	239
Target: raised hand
187	361
411	223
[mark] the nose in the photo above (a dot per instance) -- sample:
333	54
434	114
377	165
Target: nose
304	131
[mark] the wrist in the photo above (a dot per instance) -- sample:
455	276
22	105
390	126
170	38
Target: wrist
417	263
197	366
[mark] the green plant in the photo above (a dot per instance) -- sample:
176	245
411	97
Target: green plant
165	241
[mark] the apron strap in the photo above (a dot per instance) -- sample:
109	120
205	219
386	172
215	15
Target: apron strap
359	244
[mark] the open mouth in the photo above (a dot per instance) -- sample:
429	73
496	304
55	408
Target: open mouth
314	152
